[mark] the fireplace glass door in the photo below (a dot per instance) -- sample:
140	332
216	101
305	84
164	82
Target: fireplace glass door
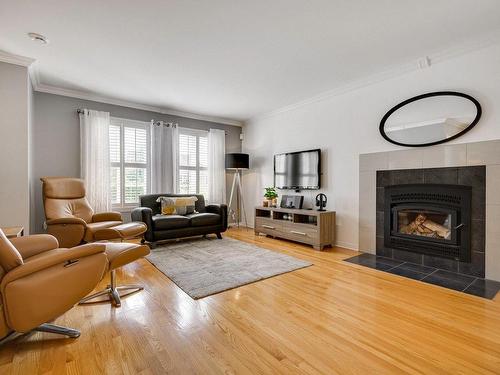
424	223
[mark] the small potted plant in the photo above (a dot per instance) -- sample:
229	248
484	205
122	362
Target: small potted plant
271	196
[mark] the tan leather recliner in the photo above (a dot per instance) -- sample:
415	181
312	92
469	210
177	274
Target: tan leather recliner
72	221
40	281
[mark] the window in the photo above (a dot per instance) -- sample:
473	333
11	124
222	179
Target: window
130	161
192	177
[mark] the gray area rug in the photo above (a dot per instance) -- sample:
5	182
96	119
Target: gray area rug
206	266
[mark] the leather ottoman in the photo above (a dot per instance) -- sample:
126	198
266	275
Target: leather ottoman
118	254
122	231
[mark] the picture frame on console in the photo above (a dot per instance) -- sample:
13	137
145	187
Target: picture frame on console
292	201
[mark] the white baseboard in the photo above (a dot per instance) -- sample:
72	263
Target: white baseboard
347	245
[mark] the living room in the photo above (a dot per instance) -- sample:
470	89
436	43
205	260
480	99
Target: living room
259	187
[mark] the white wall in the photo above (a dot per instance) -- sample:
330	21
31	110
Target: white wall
14	154
346	125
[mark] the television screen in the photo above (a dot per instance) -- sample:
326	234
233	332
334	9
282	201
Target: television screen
297	170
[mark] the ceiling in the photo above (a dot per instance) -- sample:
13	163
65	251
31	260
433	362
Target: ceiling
233	59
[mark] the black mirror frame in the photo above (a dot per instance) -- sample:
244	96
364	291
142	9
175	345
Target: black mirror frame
429	95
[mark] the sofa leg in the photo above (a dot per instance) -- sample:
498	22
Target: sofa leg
219	235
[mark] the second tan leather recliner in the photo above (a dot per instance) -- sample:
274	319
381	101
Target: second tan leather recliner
71	219
40	281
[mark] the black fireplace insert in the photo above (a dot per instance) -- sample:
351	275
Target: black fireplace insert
430	219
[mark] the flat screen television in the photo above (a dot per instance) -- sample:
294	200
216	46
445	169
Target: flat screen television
298	170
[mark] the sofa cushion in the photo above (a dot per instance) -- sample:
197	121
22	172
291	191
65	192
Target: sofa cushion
185	206
150	201
203	219
167	205
165	222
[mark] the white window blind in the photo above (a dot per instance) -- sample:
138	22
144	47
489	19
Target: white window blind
193	162
130	161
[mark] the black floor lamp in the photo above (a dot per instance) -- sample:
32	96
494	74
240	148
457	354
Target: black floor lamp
237	162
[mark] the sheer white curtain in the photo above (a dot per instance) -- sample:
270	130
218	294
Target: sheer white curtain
164	149
216	166
94	161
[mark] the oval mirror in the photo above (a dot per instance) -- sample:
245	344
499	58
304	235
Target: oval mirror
430	119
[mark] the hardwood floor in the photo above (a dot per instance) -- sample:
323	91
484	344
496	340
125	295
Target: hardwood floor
331	318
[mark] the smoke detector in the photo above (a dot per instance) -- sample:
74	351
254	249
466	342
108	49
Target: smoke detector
39	38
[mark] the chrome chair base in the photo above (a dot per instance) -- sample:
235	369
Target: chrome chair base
49	328
112	291
52	328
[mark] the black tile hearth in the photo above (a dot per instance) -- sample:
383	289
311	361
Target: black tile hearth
451	280
417	268
411	274
372	261
483	288
443	263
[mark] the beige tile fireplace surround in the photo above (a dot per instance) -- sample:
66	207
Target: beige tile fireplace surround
457	155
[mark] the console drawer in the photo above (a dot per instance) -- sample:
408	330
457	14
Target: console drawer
301	233
268	226
316	228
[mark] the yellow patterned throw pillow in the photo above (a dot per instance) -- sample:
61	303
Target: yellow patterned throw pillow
167	205
184	205
177	206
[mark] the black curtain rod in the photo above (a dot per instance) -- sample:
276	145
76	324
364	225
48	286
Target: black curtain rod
79	110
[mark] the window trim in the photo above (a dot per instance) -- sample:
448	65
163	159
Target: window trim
197	133
122	123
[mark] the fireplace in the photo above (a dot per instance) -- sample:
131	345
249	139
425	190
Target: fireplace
431	219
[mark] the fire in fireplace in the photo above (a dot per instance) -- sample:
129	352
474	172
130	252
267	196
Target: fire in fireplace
427	223
429	219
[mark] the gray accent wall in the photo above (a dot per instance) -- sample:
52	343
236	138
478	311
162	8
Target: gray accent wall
56	139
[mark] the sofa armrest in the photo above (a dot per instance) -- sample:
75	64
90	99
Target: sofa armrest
29	246
66	220
51	258
69	231
107	216
145	215
220	209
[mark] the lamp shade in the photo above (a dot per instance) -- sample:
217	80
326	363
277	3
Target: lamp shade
237	161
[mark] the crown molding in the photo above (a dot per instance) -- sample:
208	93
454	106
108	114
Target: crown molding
33	69
466	47
11	58
40	87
